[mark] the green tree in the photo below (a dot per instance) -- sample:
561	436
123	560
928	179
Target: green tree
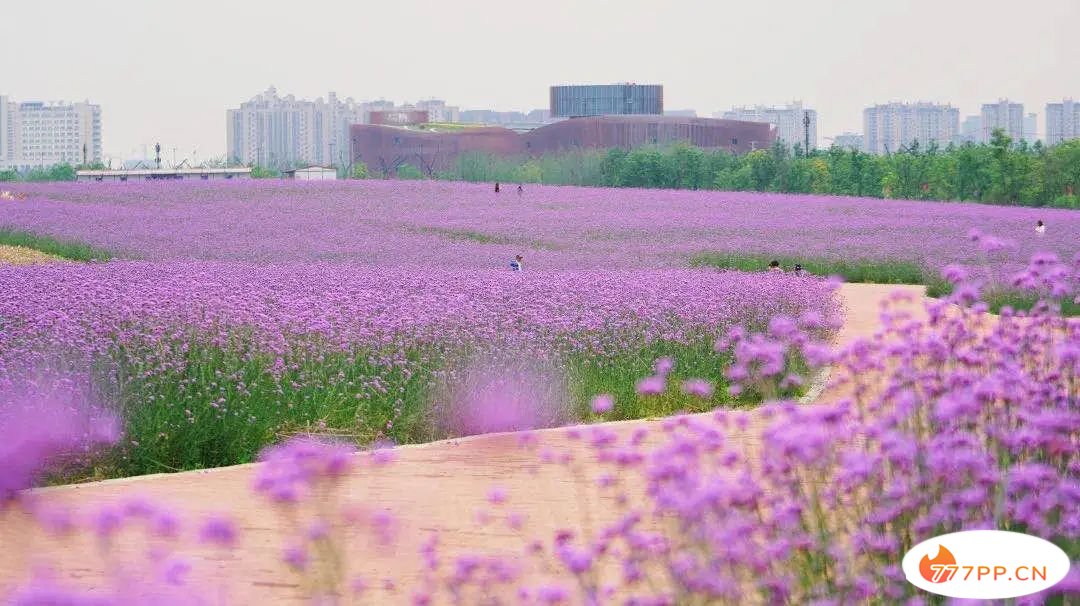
611	166
263	172
1004	189
359	171
762	169
529	172
8	175
409	172
1062	174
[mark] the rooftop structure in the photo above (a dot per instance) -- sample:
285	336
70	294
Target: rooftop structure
311	173
39	134
163	174
576	100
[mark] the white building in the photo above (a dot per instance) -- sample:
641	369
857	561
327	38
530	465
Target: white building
1031	128
971	130
312	173
1062	121
849	141
278	131
162	174
788	120
891	127
38	134
1005	115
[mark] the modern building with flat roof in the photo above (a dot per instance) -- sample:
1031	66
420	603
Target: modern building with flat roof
39	133
577	100
1007	116
890	127
162	174
1062	121
385	149
788	120
311	173
276	131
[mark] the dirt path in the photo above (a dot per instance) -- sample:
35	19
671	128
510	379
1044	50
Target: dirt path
20	255
439	486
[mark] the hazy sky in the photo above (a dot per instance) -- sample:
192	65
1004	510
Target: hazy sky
168	71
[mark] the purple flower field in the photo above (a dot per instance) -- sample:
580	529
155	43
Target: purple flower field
468	226
300	320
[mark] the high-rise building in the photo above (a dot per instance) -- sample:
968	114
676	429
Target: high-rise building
890	127
269	130
971	130
789	121
606	99
39	133
439	111
1031	128
1005	115
849	141
1062	121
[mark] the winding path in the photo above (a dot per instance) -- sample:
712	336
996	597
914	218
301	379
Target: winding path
439	486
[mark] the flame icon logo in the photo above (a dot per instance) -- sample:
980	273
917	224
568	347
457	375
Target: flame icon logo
940	569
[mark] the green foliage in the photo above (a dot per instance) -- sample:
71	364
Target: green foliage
409	172
75	251
1001	172
264	172
359	171
8	175
855	270
1024	301
877	272
192	433
59	172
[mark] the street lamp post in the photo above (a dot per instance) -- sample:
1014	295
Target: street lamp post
806	132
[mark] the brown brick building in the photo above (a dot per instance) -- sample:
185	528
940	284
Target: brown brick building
385	149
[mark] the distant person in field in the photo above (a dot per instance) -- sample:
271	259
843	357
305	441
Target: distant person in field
774	266
1040	227
521	190
518	264
496	187
799	270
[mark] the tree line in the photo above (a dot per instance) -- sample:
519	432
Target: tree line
1000	172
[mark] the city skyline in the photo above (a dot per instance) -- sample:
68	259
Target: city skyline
220	55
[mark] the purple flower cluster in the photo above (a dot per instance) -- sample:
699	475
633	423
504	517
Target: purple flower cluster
291	471
47	422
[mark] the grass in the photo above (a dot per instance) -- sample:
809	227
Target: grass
482	238
856	270
877	272
224	406
65	249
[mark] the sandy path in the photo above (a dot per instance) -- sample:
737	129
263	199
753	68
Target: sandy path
439	486
20	255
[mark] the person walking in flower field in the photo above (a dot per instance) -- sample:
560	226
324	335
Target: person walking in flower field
517	264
